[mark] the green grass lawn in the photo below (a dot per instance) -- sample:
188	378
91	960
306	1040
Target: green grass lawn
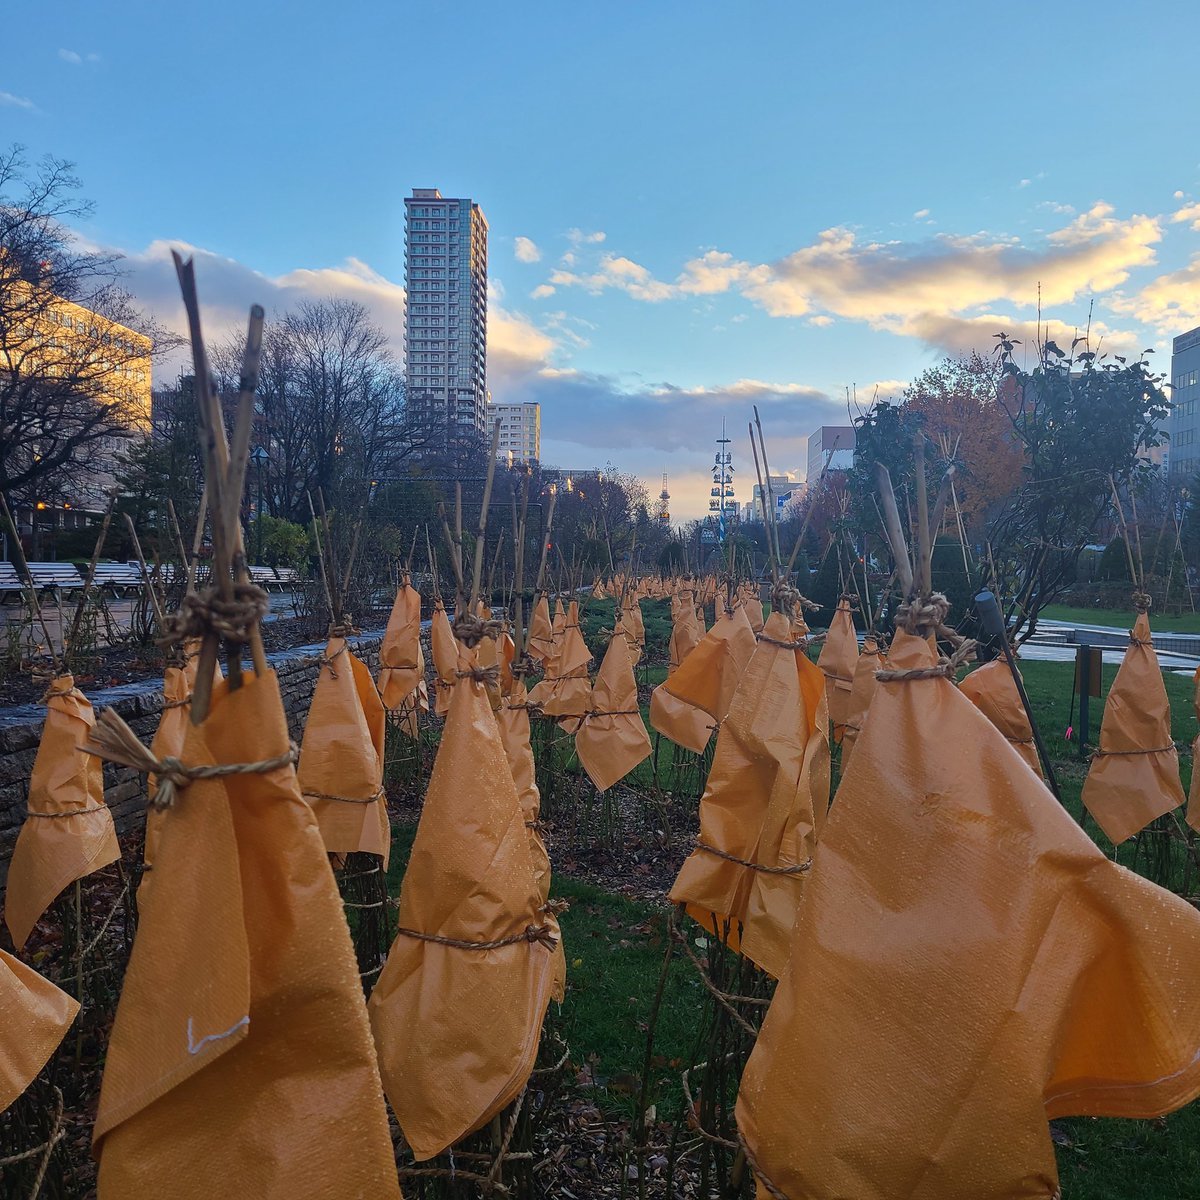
1122	618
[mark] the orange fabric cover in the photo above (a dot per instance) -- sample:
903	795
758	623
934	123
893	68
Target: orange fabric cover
966	963
565	691
241	1056
1135	776
1193	808
341	757
457	1030
541	632
633	626
709	676
54	849
401	659
753	605
992	690
513	720
758	804
862	691
34	1017
675	719
837	659
612	739
168	742
444	646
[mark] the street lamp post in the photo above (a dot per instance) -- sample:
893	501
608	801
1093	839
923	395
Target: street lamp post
259	457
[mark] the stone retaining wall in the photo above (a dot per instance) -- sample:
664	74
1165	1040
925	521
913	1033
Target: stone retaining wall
140	705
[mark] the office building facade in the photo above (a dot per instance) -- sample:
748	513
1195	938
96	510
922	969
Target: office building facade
445	328
1183	450
520	431
829	448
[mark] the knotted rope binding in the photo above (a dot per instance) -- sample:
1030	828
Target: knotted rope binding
201	613
484	675
799	869
113	740
541	934
471	629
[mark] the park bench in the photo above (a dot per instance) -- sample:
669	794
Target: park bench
56	578
11	587
118	579
287	578
264	577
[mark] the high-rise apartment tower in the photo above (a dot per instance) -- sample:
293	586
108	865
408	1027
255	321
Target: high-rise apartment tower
445	329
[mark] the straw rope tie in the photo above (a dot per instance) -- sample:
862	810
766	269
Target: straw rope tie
75	812
541	934
1142	602
800	645
799	869
773	1190
471	629
327	660
178	703
484	675
113	740
1098	753
343	799
51	692
920	616
201	613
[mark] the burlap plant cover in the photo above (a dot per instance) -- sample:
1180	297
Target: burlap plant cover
34	1017
457	1028
992	689
401	659
241	1060
837	659
1135	774
703	683
966	964
341	756
757	808
612	740
862	690
68	832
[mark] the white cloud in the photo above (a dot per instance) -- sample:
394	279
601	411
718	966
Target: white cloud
1189	213
1024	183
526	250
616	271
578	237
920	214
542	291
71	56
11	101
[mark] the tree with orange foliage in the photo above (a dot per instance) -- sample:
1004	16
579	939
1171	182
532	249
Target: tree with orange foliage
957	407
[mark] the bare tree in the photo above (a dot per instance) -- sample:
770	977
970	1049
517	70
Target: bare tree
74	374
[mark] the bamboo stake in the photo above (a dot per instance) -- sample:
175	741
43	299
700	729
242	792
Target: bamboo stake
924	546
321	558
197	540
892	529
541	575
772	529
483	516
149	583
1125	532
69	640
35	604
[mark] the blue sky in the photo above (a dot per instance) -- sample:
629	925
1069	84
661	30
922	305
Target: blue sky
793	199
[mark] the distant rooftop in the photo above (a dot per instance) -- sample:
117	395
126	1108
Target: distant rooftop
1186	341
426	194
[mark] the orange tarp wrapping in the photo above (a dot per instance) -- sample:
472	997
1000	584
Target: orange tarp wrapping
966	964
1135	774
837	659
341	756
241	1058
401	659
754	608
612	739
862	690
457	1029
541	632
993	691
633	625
68	832
565	691
445	658
757	805
708	677
168	742
34	1016
684	724
513	720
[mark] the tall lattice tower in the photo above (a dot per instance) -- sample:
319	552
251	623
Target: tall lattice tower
663	513
722	503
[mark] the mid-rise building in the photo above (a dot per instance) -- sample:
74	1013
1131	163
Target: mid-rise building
520	431
1183	451
830	448
445	328
781	489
